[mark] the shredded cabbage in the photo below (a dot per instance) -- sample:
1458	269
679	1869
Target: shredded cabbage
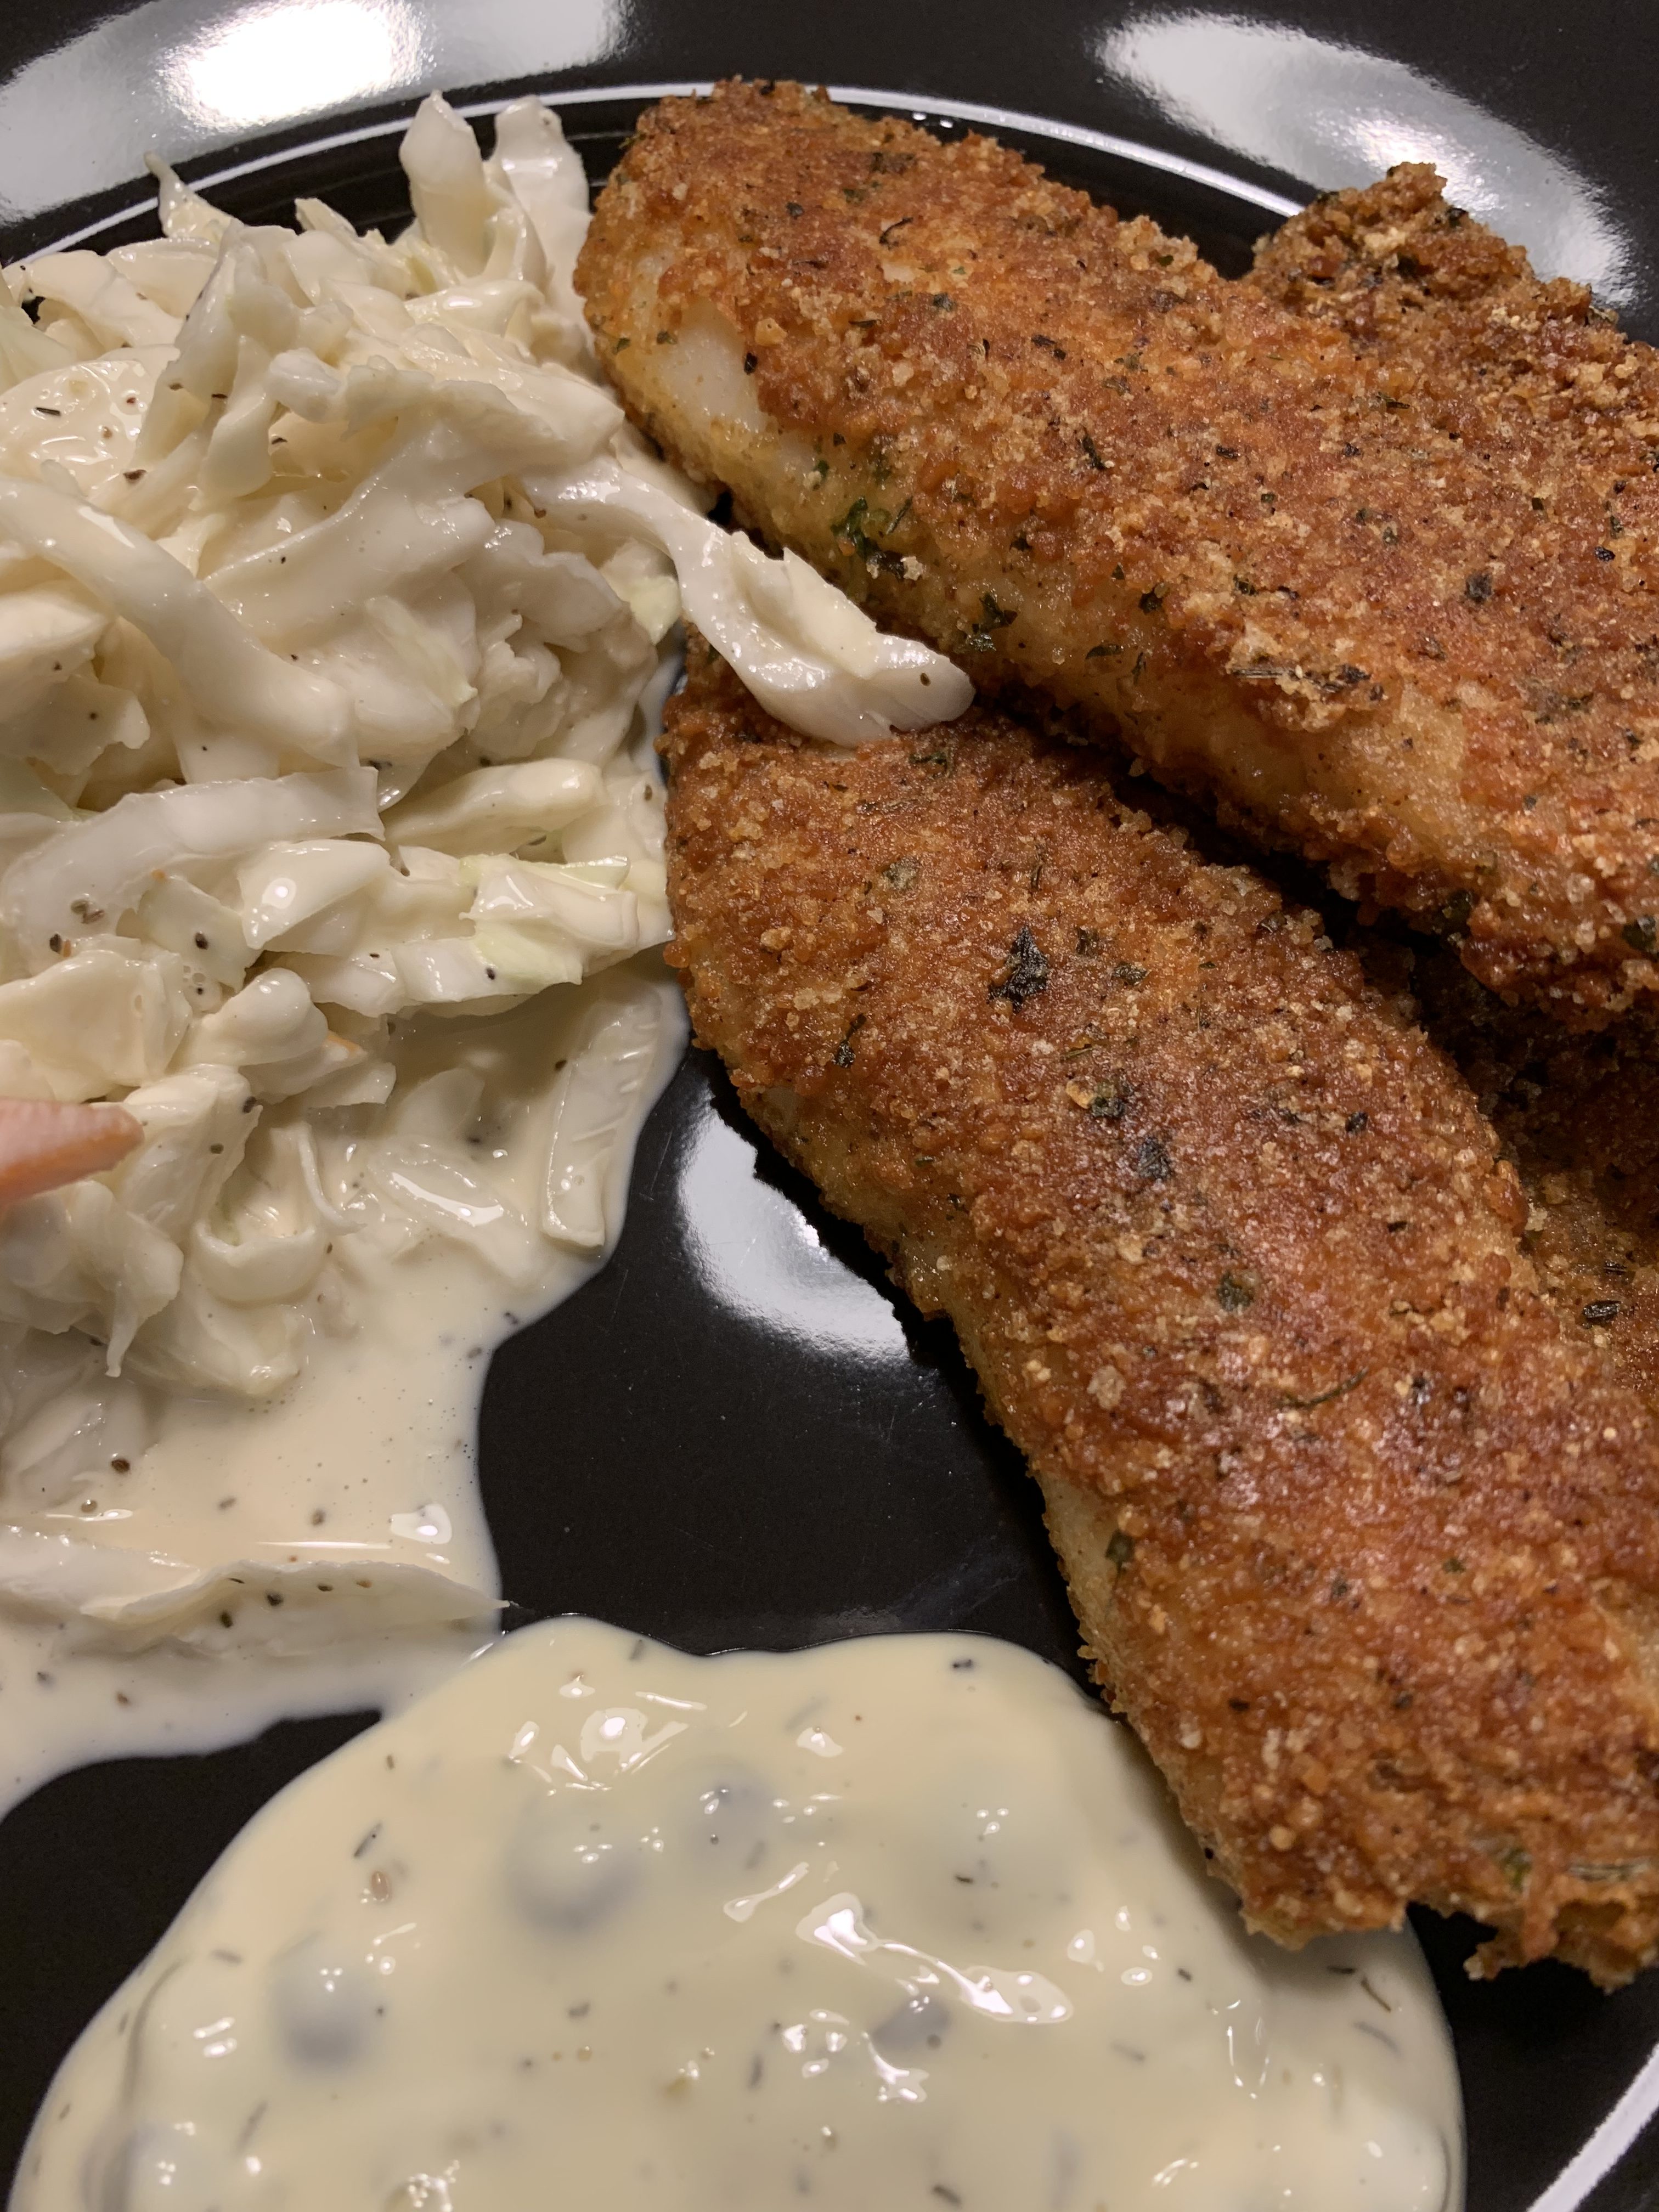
333	595
808	655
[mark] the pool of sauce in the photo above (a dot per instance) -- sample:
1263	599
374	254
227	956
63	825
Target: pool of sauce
895	1924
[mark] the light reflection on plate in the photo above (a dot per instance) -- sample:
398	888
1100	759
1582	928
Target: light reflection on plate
176	77
1336	115
759	1254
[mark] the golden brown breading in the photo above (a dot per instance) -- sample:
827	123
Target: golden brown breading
1365	1549
1362	548
1580	1118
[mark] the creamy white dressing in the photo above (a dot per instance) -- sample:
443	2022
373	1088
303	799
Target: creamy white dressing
326	1548
889	1925
328	826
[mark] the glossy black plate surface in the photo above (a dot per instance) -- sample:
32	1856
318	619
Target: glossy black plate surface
734	1434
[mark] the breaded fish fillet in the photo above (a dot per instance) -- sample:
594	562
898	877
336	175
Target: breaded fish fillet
1361	549
1365	1549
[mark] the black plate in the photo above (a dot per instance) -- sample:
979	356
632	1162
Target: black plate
734	1436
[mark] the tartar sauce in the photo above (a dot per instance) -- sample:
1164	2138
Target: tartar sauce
905	1922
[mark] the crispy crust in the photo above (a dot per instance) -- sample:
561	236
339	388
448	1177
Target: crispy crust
1361	548
1579	1115
1367	1550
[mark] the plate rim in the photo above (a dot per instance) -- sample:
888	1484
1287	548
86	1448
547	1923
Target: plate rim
1140	152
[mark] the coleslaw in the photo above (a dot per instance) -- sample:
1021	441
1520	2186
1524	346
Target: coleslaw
334	595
